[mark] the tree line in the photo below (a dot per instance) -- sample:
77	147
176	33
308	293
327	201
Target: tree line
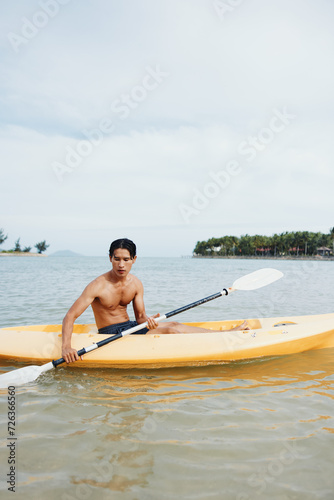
278	245
40	247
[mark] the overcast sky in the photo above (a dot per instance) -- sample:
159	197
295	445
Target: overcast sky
164	121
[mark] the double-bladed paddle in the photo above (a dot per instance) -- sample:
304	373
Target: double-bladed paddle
251	281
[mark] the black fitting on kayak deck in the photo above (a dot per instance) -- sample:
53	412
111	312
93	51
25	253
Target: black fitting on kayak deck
226	291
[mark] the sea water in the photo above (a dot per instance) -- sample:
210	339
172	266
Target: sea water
248	430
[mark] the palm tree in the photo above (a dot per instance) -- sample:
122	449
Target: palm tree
314	243
300	241
306	239
246	245
331	234
258	242
274	242
17	247
2	236
235	242
288	240
200	248
42	246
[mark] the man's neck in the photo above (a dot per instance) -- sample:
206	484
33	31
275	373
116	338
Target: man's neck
118	279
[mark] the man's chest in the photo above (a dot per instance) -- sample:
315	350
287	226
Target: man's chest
117	296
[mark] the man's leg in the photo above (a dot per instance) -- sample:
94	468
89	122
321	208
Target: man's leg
174	327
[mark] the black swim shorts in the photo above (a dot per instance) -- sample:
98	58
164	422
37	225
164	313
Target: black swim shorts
120	327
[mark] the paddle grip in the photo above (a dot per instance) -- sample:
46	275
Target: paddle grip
60	361
57	362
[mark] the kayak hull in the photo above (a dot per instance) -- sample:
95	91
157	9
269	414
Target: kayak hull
267	337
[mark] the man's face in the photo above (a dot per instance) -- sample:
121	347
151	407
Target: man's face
122	262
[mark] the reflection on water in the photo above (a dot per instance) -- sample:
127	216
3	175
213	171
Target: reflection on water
155	386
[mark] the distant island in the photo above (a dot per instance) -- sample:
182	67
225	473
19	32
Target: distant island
65	253
300	244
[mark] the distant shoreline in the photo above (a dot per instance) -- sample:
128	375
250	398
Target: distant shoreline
261	257
21	254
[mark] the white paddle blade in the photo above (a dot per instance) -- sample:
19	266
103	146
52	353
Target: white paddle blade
23	375
257	279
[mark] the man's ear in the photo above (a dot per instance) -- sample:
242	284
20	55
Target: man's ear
134	258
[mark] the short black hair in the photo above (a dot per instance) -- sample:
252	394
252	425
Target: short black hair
123	243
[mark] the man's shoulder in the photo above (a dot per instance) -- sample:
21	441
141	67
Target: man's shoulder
99	281
136	281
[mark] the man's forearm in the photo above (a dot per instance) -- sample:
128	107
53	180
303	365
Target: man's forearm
67	328
141	319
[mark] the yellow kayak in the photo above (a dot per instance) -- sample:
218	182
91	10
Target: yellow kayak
266	337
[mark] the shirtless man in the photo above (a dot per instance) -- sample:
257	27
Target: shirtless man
109	296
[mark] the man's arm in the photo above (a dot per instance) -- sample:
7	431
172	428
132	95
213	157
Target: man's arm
139	309
79	306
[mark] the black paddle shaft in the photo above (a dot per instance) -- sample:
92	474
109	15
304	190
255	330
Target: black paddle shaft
197	303
103	342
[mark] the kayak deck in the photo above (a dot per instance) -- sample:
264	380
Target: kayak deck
266	337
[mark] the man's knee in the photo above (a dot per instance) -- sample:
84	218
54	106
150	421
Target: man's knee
172	327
